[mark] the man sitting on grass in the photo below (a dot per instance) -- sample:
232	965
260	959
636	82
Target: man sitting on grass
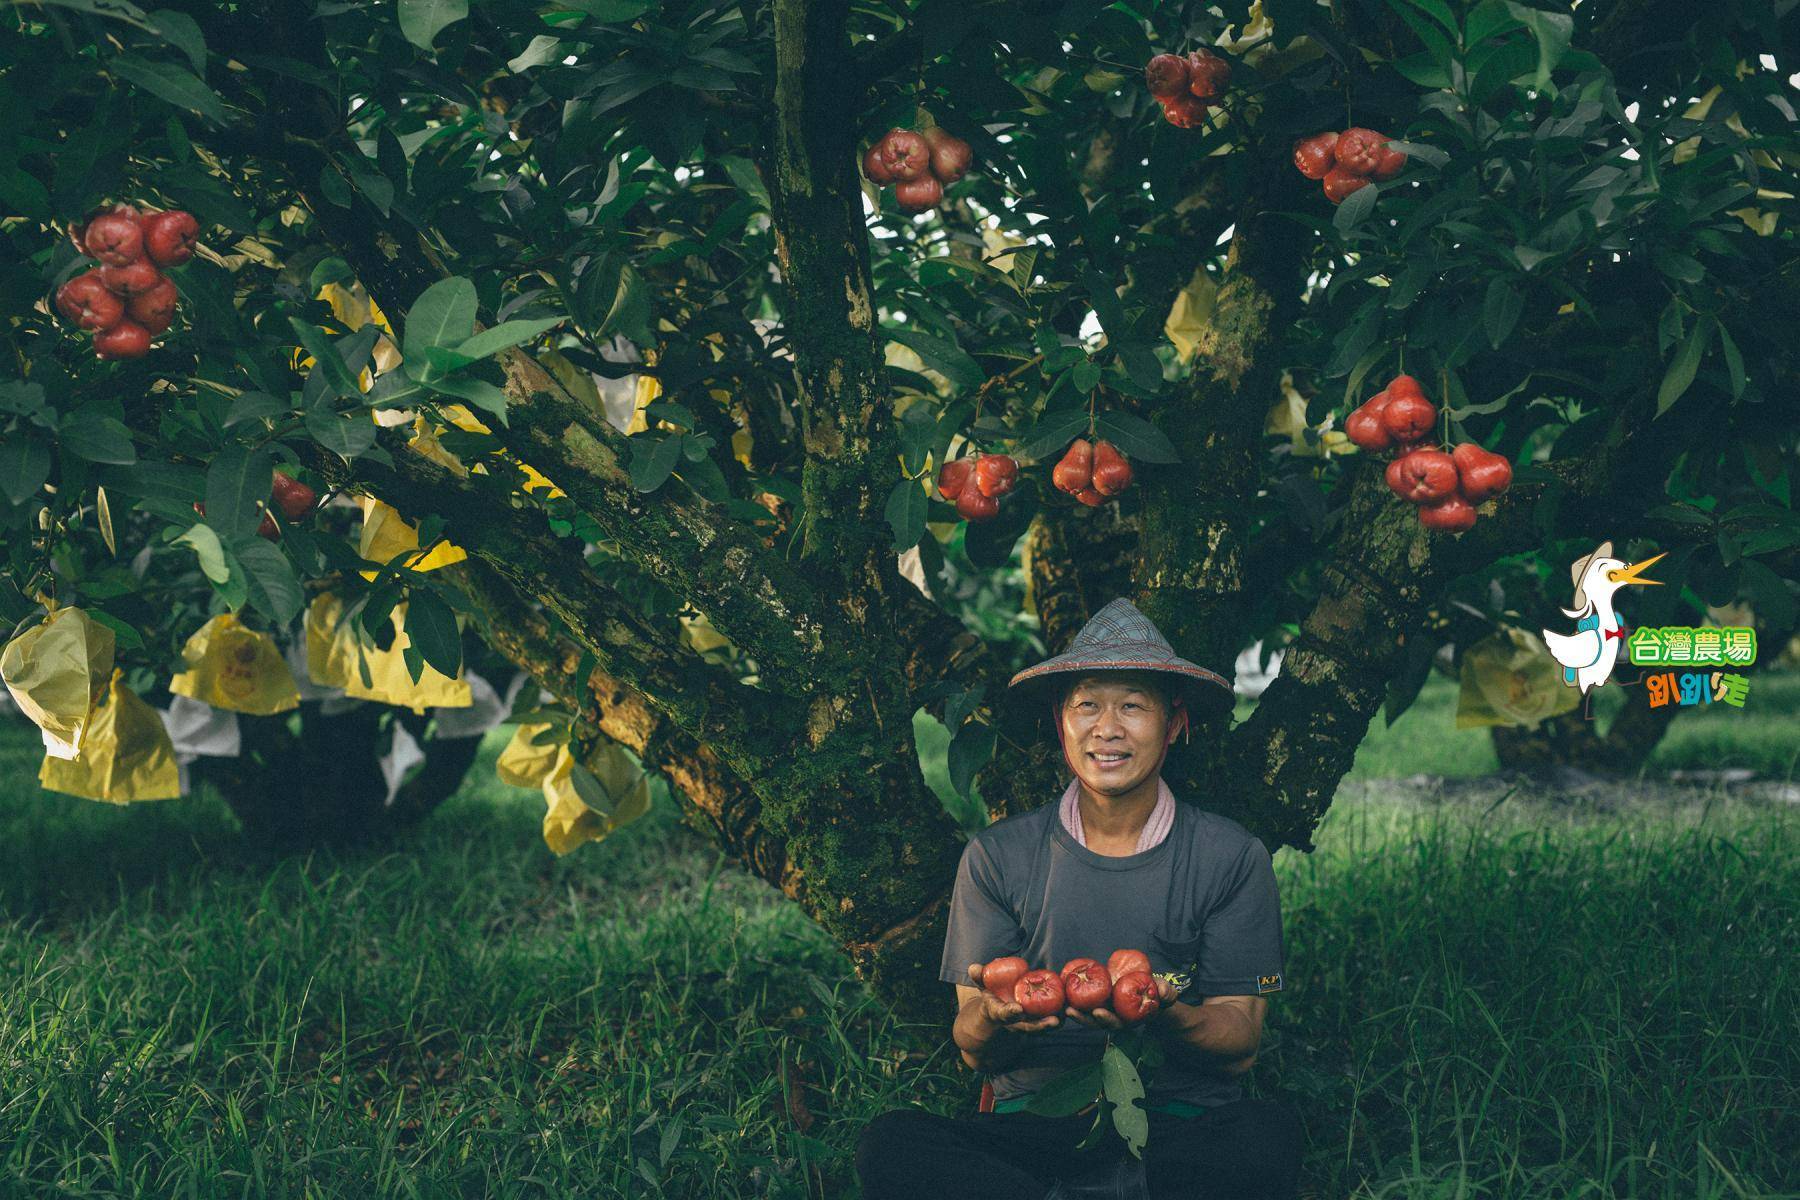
1116	863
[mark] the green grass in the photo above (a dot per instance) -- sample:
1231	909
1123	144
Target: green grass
1522	998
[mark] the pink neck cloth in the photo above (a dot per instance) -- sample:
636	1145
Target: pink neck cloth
1162	817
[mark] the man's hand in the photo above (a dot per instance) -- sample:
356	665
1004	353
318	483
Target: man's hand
1007	1014
1106	1018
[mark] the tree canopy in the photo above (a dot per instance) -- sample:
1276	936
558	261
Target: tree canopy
615	357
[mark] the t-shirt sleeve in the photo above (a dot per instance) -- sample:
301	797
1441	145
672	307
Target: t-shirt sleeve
1241	948
982	925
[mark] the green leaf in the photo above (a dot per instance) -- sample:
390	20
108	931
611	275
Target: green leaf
1422	69
330	269
1068	1093
505	336
748	179
958	707
1734	362
544	48
630	312
970	750
97	438
326	358
345	436
917	428
1106	304
612	12
1683	366
25	399
1142	365
422	20
1500	311
479	392
1052	433
176	85
1437	10
906	514
251	405
1125	1089
942	355
1552	31
651	462
1136	437
237	483
1356	206
212	555
1677	265
1426	153
24	465
431	624
443	316
119	10
269	580
182	32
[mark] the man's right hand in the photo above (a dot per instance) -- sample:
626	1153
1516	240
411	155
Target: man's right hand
1007	1014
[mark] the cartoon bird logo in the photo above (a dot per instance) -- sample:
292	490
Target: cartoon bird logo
1587	656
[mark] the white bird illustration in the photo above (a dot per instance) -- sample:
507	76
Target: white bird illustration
1587	656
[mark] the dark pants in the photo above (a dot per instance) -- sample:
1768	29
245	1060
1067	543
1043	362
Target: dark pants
1249	1150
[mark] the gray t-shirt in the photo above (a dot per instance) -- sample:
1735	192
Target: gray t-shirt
1202	904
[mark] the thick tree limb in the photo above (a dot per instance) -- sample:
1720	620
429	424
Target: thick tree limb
686	543
1192	574
712	794
737	721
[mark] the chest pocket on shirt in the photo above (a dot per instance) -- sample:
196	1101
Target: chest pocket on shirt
1178	958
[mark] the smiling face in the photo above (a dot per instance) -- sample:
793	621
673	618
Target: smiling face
1115	727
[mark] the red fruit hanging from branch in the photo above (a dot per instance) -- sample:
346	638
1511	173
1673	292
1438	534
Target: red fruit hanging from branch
996	474
950	155
1364	426
293	498
1075	472
115	239
1314	156
1422	476
973	505
1484	473
1359	150
1454	514
132	279
1208	74
1407	416
170	237
154	309
126	339
85	301
917	195
953	476
1340	183
1166	75
906	154
1112	472
1184	112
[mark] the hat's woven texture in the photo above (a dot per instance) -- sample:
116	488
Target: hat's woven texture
1120	638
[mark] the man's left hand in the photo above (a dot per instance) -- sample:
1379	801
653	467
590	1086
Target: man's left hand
1106	1018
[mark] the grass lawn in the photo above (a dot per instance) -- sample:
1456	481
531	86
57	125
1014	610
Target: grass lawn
1489	994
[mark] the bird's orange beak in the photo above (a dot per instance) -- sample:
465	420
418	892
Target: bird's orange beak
1630	574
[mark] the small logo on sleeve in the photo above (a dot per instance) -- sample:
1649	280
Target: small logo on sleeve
1268	983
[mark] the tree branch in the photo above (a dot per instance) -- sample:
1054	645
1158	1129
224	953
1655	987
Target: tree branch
709	791
684	542
743	724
